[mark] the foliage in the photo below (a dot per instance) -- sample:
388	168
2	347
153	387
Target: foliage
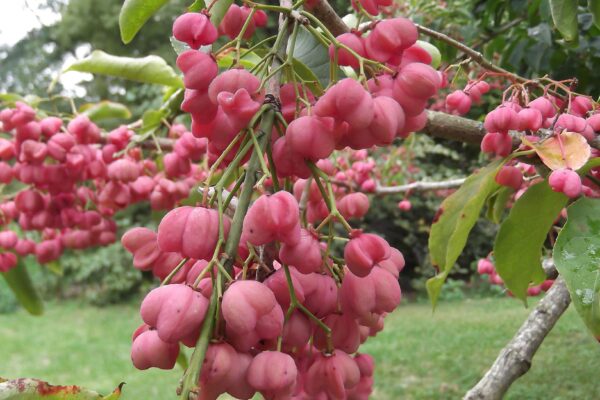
103	276
577	259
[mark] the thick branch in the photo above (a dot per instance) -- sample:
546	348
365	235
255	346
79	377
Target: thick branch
452	127
515	359
327	15
420	186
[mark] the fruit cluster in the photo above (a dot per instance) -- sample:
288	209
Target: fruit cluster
67	182
291	313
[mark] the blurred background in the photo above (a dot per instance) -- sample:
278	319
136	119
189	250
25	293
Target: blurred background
94	294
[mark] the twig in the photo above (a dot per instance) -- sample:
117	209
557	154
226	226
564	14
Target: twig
420	186
515	359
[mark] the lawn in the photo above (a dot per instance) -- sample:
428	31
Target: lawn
419	355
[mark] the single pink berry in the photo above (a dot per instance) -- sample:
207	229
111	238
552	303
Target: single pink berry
180	229
273	374
332	374
404	205
199	69
344	57
251	312
304	255
175	310
195	29
510	176
364	251
566	181
148	350
353	205
485	266
345	333
458	102
394	264
274	217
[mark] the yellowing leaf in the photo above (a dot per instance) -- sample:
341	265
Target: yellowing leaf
565	150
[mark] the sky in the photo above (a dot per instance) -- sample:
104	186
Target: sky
19	17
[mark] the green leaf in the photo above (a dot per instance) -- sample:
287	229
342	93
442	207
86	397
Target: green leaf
518	246
594	8
105	110
34	389
312	54
497	204
249	60
564	15
218	10
20	283
55	267
197	6
134	14
149	69
308	77
577	259
456	217
182	360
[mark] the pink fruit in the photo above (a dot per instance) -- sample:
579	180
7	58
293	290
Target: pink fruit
24	247
8	239
530	119
353	205
84	130
404	205
510	176
581	105
251	312
148	351
458	102
273	374
7	261
238	106
320	293
389	38
194	29
304	255
6	173
366	298
311	137
296	332
332	374
364	251
48	250
418	80
181	229
176	311
347	101
497	143
123	170
544	105
274	217
344	57
502	120
566	181
277	282
199	69
485	266
50	126
231	81
394	263
224	370
345	333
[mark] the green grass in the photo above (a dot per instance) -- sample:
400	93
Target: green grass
419	355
